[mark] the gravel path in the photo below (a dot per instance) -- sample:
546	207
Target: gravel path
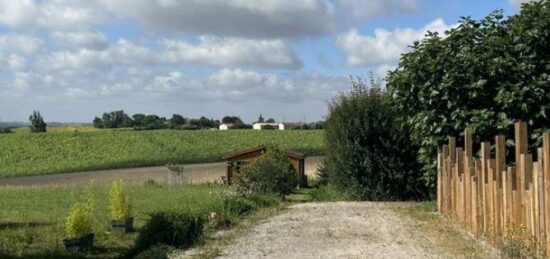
337	230
196	173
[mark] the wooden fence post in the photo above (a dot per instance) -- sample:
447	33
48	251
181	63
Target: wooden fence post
520	133
439	179
500	158
546	173
526	172
484	183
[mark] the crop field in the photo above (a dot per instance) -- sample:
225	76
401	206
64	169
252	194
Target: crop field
31	219
80	150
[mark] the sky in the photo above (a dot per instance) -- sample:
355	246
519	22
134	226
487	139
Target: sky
285	59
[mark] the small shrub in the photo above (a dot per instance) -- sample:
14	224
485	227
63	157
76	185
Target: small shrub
232	208
238	205
180	230
517	243
271	173
119	202
322	173
79	222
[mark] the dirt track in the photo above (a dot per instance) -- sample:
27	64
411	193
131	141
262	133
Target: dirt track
345	230
195	173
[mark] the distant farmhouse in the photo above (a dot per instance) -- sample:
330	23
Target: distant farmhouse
226	126
278	125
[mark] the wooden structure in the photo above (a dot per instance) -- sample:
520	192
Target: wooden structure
236	160
487	197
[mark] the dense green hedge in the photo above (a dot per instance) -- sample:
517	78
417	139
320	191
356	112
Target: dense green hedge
484	74
369	155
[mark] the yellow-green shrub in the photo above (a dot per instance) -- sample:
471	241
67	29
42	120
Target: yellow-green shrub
79	222
119	202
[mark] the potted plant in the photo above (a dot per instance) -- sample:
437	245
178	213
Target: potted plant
120	205
79	228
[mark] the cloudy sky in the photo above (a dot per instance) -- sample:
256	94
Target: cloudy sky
74	59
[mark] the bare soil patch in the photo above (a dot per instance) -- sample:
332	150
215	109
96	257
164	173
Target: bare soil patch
195	173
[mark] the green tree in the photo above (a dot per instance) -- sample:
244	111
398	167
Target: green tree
271	173
139	119
177	120
37	122
261	119
483	74
369	155
232	119
98	123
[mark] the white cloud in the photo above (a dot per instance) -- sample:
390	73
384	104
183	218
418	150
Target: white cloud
80	59
384	47
233	52
49	13
235	77
18	43
361	9
240	18
81	39
17	13
209	51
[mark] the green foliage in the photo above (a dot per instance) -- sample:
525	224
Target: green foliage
79	222
114	119
155	252
264	200
37	122
271	173
483	74
369	156
327	193
32	218
180	230
119	202
32	154
5	131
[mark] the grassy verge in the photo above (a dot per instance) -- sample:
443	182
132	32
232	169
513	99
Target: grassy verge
31	219
34	154
441	233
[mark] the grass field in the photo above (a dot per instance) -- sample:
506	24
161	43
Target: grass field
31	219
80	149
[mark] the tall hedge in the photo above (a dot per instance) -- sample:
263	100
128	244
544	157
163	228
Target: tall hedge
484	74
369	156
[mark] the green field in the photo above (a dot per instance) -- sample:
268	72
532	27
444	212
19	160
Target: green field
61	151
31	218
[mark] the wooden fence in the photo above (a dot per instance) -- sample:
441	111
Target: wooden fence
487	197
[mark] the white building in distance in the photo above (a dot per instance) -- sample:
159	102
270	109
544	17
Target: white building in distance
225	126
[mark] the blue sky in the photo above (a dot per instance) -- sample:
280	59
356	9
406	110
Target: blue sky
74	59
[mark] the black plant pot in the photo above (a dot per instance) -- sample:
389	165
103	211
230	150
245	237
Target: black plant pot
122	226
83	244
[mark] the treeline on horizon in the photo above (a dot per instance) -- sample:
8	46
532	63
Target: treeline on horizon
119	119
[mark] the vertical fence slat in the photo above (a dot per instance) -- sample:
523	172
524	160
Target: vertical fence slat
486	196
484	182
546	173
